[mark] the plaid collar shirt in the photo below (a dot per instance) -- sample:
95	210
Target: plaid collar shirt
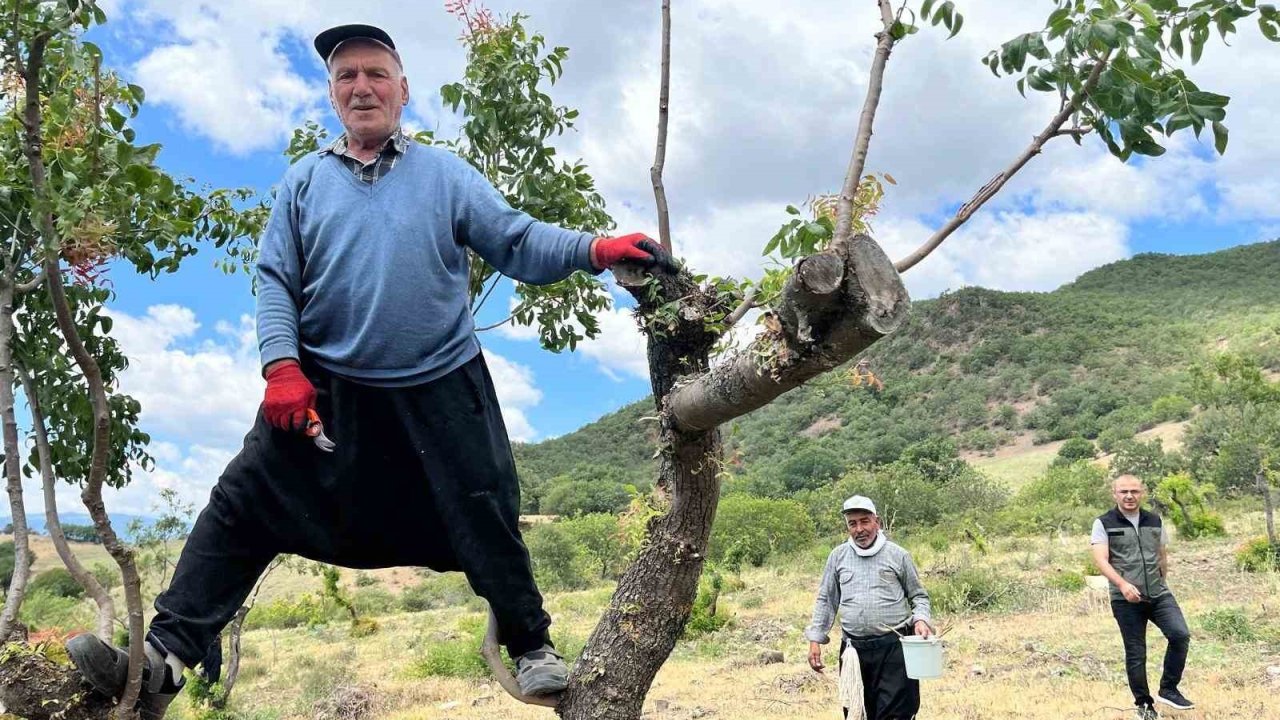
374	170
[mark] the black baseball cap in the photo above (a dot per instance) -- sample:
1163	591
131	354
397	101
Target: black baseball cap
329	40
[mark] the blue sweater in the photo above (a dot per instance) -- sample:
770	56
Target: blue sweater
370	281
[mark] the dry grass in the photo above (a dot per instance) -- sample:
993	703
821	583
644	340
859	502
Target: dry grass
1057	656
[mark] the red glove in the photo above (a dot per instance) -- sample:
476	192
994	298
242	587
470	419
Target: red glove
636	247
289	395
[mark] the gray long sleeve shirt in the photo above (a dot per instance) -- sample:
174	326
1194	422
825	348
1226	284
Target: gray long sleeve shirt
871	594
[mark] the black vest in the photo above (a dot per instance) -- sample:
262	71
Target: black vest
1135	553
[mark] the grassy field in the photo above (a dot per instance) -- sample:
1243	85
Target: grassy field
1038	652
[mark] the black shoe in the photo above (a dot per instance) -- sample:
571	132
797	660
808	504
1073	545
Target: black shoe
1147	712
1174	699
106	668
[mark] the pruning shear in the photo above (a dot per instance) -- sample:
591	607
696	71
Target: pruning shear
315	430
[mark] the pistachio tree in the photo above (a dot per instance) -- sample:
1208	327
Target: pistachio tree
80	193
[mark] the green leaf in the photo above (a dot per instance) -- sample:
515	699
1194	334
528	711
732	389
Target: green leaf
1147	14
1270	29
1220	137
1175	42
925	9
956	25
139	95
793	210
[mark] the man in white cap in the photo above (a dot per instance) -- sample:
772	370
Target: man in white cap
364	325
873	585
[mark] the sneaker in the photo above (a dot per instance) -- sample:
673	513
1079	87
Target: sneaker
1147	712
106	668
1174	699
541	671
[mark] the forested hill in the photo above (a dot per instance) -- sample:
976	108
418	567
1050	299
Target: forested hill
1102	357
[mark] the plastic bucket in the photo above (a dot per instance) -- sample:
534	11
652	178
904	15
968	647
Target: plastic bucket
923	657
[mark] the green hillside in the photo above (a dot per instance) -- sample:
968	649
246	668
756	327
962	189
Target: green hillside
1104	357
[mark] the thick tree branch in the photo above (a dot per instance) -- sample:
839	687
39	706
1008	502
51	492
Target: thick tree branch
32	284
820	328
53	525
844	205
17	589
993	186
660	153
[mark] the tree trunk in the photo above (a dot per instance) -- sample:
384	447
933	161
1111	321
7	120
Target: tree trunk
1265	487
101	596
647	614
12	471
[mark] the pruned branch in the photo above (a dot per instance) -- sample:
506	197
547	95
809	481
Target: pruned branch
993	186
32	284
660	153
862	141
827	316
496	325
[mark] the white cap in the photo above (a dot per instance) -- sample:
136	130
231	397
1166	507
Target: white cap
859	502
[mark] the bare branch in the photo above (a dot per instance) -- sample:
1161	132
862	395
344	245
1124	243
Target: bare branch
32	284
492	653
497	324
497	278
1073	132
49	482
884	45
988	191
748	302
660	154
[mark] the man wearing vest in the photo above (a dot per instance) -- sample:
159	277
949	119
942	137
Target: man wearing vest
365	326
873	585
1130	547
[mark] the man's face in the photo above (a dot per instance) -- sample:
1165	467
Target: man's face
368	90
1128	492
863	527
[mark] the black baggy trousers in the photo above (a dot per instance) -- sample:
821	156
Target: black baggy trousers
887	692
421	476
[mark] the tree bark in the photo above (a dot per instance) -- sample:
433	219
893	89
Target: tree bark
13	473
101	596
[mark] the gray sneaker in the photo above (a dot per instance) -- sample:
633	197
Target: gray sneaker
541	671
106	668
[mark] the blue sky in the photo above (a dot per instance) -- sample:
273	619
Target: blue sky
764	107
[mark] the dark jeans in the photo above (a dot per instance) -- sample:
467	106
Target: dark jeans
421	475
1132	619
887	692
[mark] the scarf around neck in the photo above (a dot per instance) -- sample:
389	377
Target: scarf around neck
876	546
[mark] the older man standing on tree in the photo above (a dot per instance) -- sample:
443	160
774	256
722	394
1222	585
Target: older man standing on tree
364	325
1131	548
873	585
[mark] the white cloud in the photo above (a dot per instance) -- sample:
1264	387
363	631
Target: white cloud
619	349
517	392
205	392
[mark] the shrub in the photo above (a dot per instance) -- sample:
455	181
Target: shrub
1228	624
707	615
439	591
1171	408
57	582
373	601
1258	555
971	589
7	563
43	610
456	657
750	529
364	579
580	497
1066	497
601	541
1074	449
558	563
1066	581
1190	511
306	610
